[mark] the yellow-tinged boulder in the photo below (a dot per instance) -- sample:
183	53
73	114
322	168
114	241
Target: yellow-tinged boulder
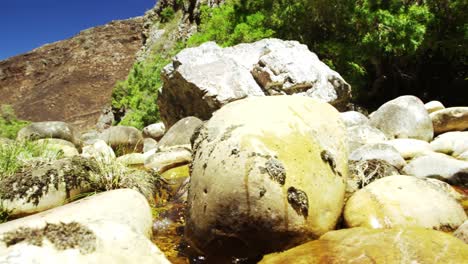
268	173
404	201
376	246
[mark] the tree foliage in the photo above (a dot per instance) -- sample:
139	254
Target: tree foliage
382	47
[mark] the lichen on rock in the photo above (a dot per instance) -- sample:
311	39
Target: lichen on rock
62	235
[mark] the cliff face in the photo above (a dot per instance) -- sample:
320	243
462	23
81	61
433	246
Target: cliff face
71	80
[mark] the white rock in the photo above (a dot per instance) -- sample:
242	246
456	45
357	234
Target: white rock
201	80
149	144
154	131
100	151
353	118
462	232
97	229
403	117
403	201
433	106
439	165
378	151
451	143
410	148
360	135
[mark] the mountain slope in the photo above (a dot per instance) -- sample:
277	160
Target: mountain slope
71	80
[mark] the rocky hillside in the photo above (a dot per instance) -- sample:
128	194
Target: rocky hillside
71	80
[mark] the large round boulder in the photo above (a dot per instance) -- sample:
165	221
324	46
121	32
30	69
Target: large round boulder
49	129
201	80
268	173
403	201
376	246
403	117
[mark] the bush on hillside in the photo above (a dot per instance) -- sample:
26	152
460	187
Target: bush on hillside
9	123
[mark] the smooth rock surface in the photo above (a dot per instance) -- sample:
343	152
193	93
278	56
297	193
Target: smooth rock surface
403	201
180	133
49	129
155	131
132	159
201	80
440	166
363	134
451	143
268	172
378	151
433	106
354	118
410	148
165	160
76	233
376	246
450	119
100	151
123	139
149	144
66	147
403	117
462	232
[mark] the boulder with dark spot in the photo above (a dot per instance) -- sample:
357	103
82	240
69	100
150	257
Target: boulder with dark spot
268	172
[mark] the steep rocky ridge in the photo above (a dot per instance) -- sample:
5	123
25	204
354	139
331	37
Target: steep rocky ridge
71	80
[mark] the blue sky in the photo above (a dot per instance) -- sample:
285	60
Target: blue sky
28	24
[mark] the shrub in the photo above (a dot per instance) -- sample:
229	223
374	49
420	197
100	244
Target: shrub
9	123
